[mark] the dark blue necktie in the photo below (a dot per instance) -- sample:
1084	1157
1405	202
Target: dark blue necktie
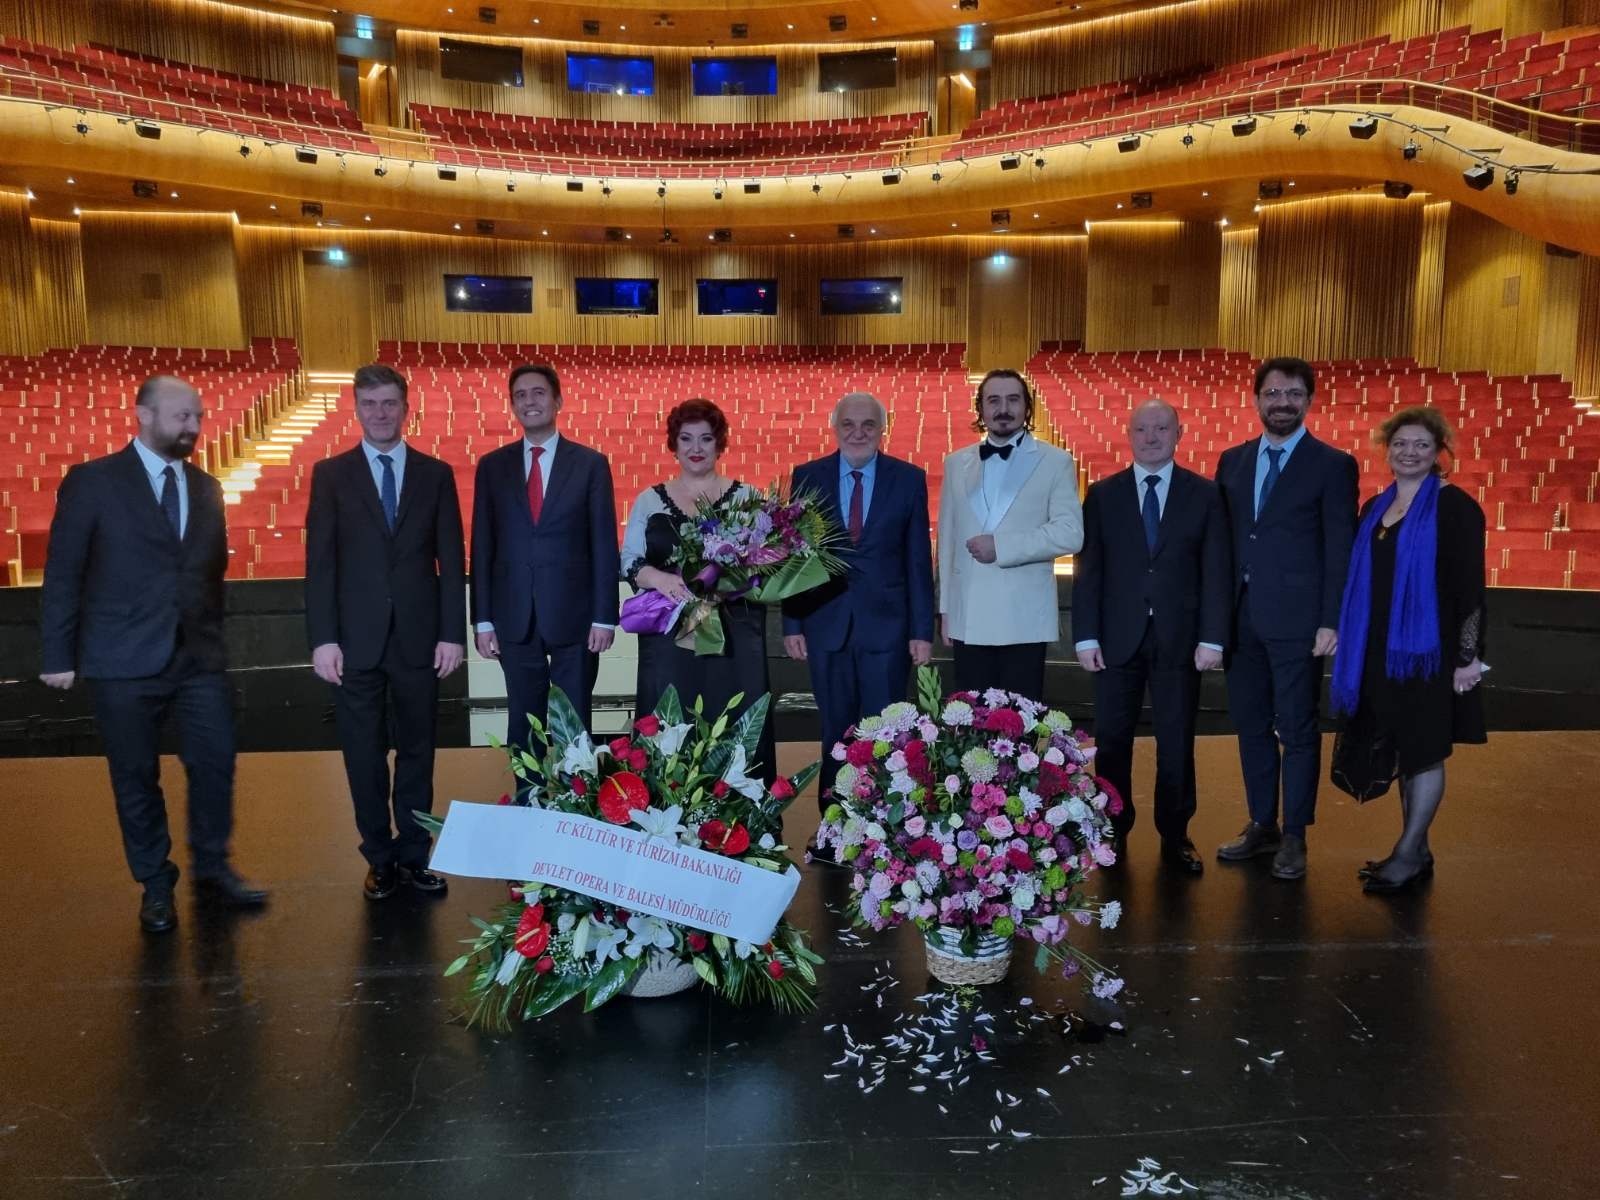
391	497
169	501
1274	456
1152	513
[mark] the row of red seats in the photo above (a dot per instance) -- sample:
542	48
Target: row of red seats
105	80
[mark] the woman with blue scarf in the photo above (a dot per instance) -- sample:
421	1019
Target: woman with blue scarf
1411	632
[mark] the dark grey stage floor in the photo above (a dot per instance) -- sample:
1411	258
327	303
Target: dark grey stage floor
1277	1040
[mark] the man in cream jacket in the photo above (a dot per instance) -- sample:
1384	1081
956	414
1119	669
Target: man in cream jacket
1009	509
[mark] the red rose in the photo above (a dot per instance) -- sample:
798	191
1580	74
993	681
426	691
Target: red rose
579	787
719	789
649	725
712	834
782	789
637	759
504	799
621	792
545	965
619	746
775	969
698	942
860	754
533	935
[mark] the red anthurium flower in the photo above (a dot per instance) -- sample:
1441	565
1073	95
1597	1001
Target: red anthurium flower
738	840
782	789
621	792
533	934
648	726
716	835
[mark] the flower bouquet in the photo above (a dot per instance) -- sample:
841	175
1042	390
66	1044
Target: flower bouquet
978	818
757	546
680	778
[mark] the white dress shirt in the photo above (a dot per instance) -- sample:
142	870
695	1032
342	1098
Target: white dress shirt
154	464
995	467
397	459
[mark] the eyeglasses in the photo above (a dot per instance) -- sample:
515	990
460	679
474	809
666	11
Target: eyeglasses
1294	394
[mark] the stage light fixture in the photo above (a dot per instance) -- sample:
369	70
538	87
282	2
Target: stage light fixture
722	235
890	178
380	170
511	185
485	226
1396	189
148	129
1000	217
82	127
847	231
144	189
1270	189
937	175
1363	128
304	155
1038	161
605	189
1139	200
666	235
447	174
816	188
1244	126
244	151
614	235
661	191
574	185
716	192
1128	143
1479	177
310	209
1410	149
1512	180
1188	139
1300	129
752	189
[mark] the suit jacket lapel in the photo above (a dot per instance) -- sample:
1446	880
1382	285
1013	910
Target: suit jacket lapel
972	483
828	490
1019	470
1177	494
566	462
1288	477
882	489
408	487
360	472
139	482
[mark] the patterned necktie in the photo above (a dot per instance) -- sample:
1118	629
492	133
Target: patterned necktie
535	486
855	506
1274	456
169	501
1152	512
387	490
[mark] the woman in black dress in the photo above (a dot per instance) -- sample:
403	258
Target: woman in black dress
1420	693
697	435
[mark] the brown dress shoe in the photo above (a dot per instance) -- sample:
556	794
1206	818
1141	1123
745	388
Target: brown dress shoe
1253	840
1290	861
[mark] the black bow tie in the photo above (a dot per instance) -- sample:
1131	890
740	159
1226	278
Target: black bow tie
988	449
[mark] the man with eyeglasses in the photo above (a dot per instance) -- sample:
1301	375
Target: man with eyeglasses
1291	505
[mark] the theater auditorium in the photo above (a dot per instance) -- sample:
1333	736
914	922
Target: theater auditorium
1165	233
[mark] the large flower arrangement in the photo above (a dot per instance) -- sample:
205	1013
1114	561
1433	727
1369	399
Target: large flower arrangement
677	775
977	814
759	546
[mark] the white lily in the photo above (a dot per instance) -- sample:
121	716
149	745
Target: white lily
604	941
743	949
736	779
579	756
648	933
509	968
670	740
658	822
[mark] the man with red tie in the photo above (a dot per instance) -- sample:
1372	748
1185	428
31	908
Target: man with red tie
544	558
861	632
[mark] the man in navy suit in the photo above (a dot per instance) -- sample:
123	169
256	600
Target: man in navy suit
863	631
132	601
545	565
386	615
1291	504
1150	607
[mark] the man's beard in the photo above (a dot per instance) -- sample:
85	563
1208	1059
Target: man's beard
181	446
1284	422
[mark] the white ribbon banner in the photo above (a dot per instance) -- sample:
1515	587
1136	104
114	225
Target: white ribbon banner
619	865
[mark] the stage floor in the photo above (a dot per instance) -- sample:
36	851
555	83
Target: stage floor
1278	1040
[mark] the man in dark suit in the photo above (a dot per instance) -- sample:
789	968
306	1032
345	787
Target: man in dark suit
1291	504
133	602
545	567
862	631
386	617
1150	606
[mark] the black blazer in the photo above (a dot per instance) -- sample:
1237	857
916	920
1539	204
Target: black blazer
556	579
362	581
1297	555
1118	584
119	586
885	597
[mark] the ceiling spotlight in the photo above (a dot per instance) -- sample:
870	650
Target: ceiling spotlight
1396	189
605	189
752	189
716	192
1270	189
1300	129
816	188
661	191
1138	200
1410	149
574	185
1010	162
1188	139
244	151
147	129
1364	127
511	185
82	127
380	170
890	178
1479	177
1244	126
1128	142
1512	180
71	180
303	154
447	174
666	235
1038	161
937	175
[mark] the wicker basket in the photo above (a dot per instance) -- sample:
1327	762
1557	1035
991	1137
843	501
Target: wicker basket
948	963
662	975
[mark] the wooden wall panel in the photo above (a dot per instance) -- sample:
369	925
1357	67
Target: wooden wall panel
271	278
161	280
1427	305
1057	288
1236	292
226	37
41	280
17	335
544	91
1509	308
1586	367
1152	285
1336	277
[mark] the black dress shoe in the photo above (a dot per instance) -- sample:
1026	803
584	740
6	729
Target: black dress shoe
157	913
226	888
1182	856
381	883
423	879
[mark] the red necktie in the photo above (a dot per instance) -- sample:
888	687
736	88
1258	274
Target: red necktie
855	506
535	486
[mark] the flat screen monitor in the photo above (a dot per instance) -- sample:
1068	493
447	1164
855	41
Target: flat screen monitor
488	293
861	297
625	297
744	76
737	297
